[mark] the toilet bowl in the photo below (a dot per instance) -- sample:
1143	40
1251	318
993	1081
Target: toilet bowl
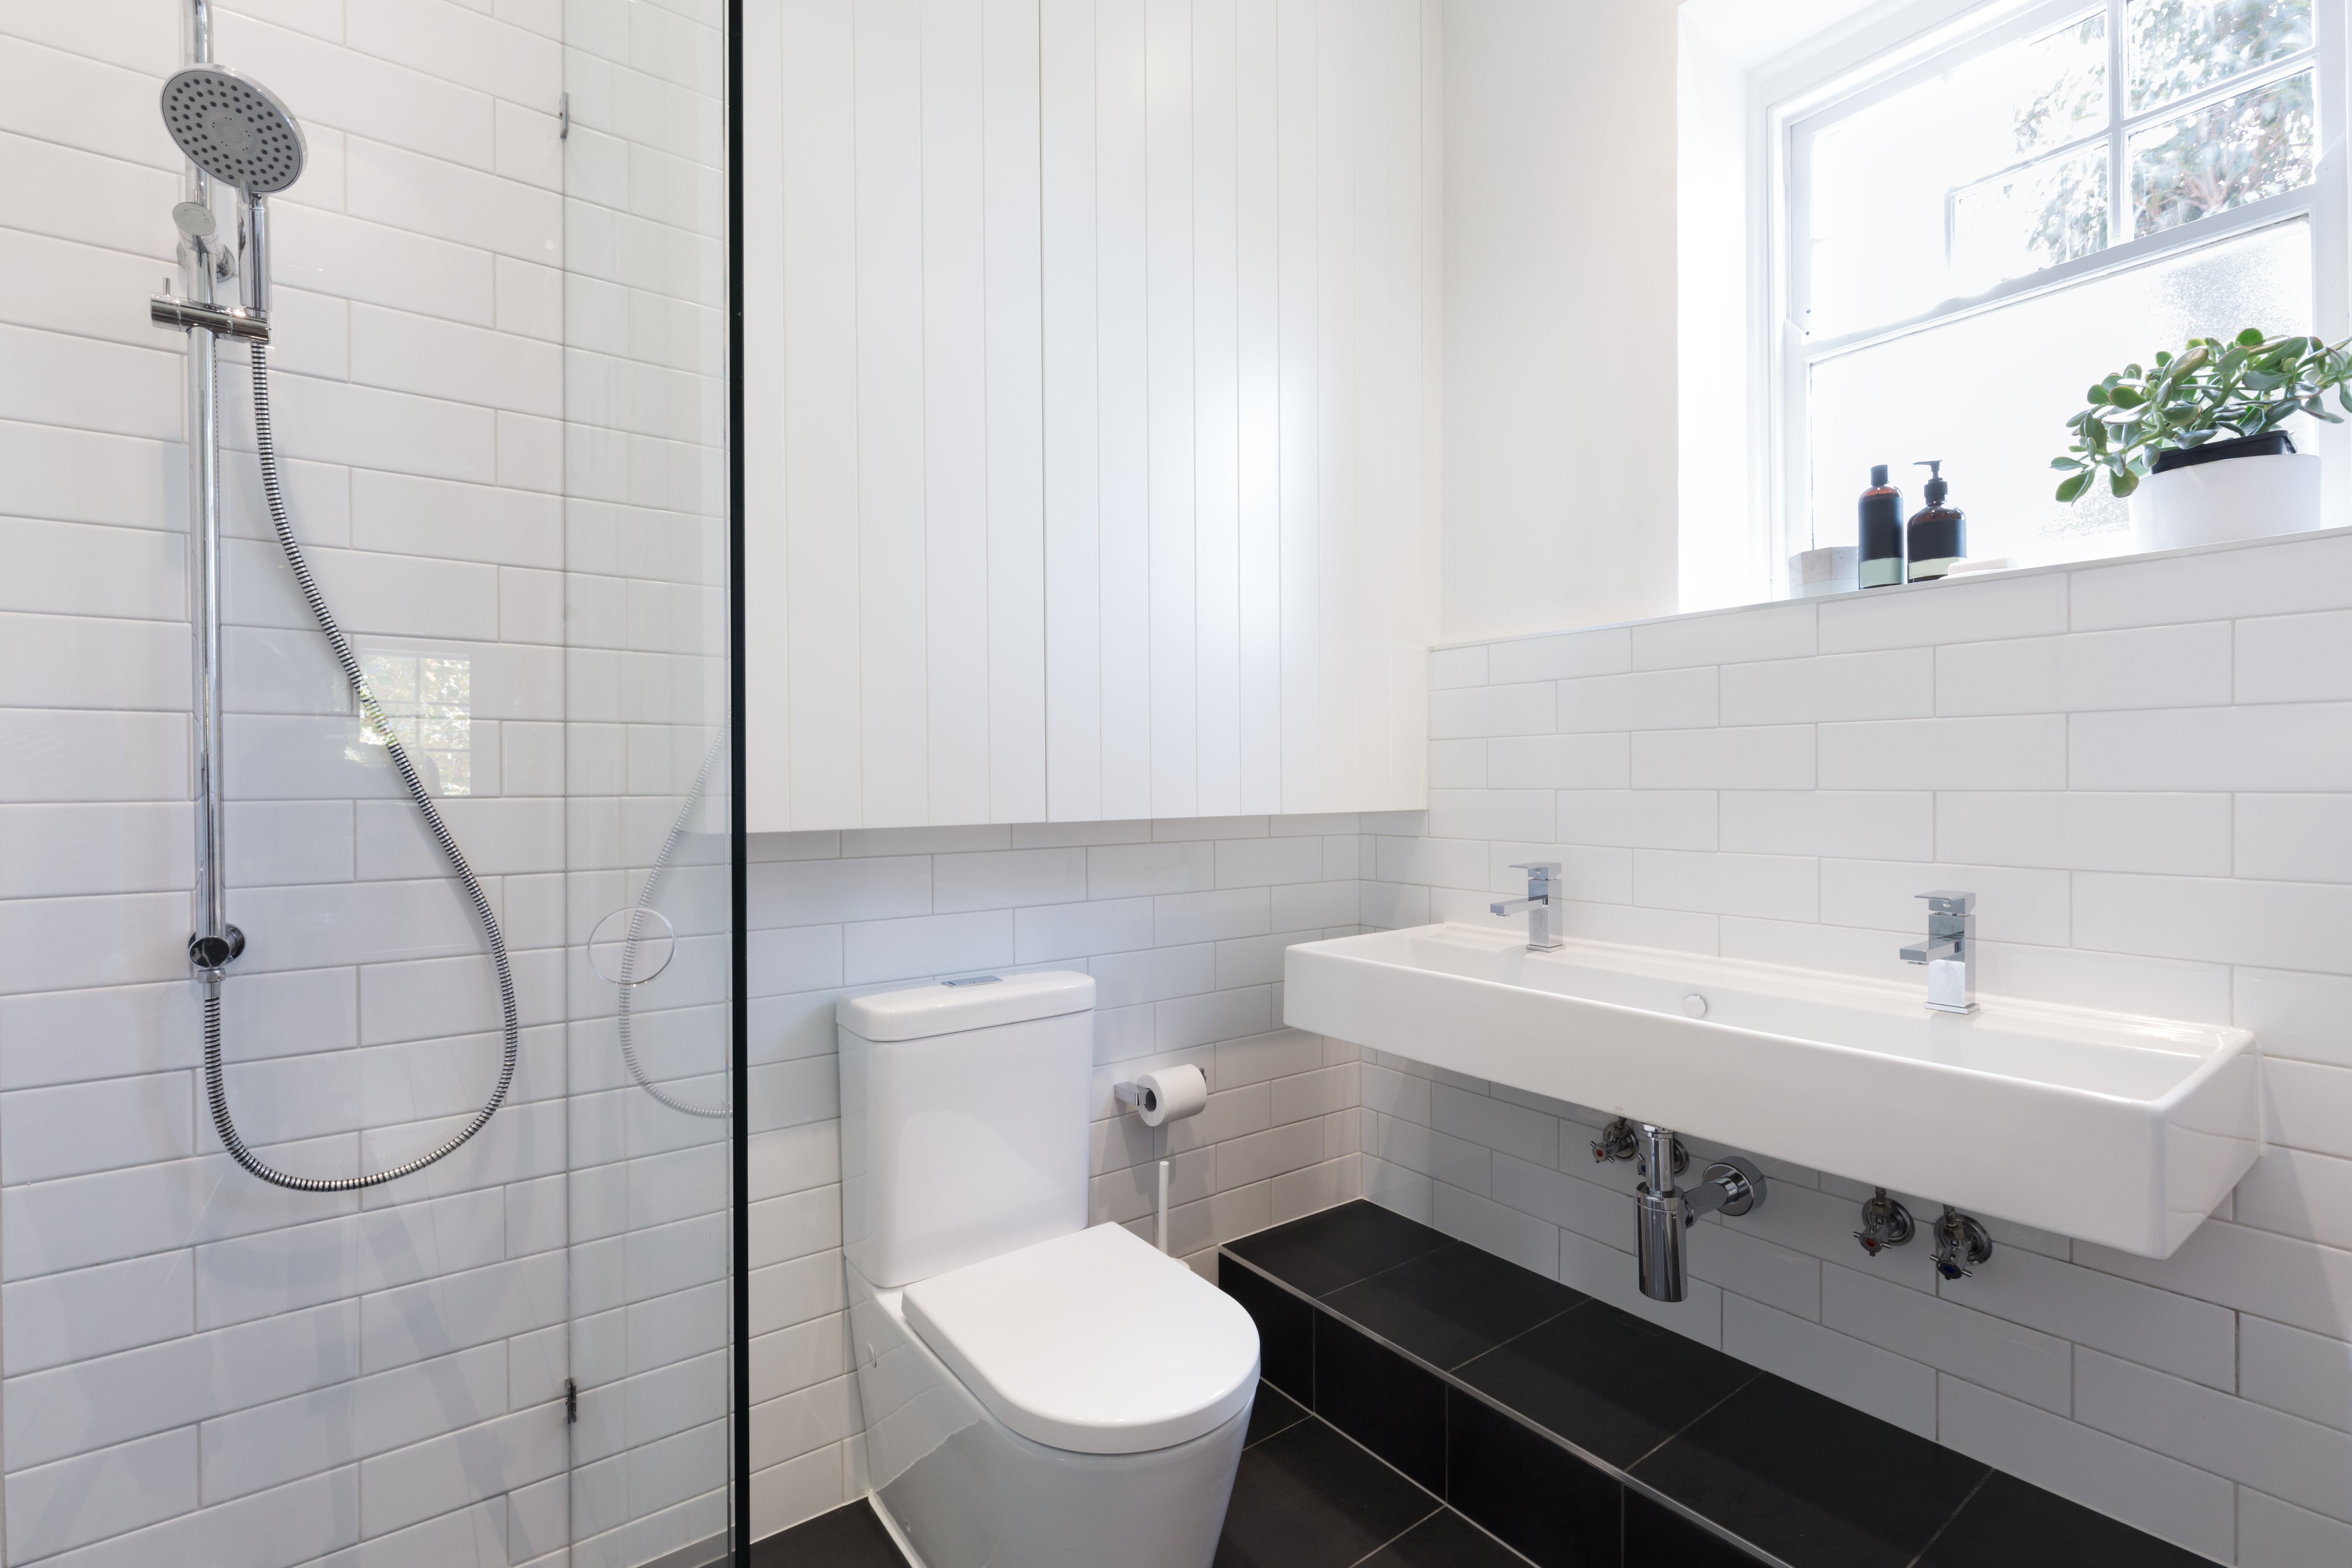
1035	1393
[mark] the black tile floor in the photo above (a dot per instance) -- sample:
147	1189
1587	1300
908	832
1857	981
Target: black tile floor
1305	1497
1557	1423
849	1537
1587	1437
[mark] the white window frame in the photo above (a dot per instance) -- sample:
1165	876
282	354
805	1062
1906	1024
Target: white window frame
1795	117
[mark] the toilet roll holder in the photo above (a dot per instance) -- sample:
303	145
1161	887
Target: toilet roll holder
1143	1096
1144	1099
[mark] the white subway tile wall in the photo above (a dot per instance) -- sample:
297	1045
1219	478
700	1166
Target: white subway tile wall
1181	923
2135	767
499	408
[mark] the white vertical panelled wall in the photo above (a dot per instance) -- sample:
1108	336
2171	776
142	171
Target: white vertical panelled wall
1092	369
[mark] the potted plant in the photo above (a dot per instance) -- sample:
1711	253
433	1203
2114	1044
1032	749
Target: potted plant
2196	441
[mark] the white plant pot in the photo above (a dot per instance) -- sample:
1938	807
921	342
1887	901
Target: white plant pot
2232	498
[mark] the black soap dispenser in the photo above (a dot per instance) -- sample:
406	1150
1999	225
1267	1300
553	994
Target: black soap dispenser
1939	534
1878	562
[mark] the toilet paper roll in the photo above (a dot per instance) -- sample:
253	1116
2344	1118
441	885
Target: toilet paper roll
1171	1094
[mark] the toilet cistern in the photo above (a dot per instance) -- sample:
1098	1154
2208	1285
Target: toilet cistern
1541	874
1950	952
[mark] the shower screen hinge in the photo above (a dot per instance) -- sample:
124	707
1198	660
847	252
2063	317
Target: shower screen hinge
571	1401
563	118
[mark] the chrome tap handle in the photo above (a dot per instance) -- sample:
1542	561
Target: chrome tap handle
1617	1142
1962	1243
1885	1222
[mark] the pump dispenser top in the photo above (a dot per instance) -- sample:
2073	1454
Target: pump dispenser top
1938	534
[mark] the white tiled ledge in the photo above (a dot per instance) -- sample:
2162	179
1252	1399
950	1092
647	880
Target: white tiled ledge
2280	575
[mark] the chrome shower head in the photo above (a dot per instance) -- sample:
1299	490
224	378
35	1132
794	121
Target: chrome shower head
234	129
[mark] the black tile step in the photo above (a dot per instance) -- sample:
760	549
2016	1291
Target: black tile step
1586	1437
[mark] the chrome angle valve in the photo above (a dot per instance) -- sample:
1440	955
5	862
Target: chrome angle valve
1962	1243
1621	1140
1885	1222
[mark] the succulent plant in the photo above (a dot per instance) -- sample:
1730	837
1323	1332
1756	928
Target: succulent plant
2214	388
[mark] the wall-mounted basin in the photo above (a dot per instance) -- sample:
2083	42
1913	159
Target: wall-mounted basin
2119	1129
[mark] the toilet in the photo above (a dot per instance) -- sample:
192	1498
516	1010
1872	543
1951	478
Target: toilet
1036	1393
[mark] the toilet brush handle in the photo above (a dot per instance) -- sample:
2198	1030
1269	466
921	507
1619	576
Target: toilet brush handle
1163	1207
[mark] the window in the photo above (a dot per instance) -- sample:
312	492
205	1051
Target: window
428	702
1975	234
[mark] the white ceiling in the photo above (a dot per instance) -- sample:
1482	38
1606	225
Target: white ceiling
1755	31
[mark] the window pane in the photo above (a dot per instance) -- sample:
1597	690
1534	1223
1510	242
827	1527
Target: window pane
1881	177
2036	93
2239	149
2038	216
2178	46
1991	394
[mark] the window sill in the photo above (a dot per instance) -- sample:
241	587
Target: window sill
2151	562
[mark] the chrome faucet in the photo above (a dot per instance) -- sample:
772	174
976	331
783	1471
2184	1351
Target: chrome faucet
1950	952
1541	938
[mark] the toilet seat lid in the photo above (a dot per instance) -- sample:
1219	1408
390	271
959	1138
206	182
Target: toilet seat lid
1093	1341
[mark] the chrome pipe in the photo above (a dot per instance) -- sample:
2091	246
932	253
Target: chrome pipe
255	264
204	477
213	945
1662	1212
1659	1219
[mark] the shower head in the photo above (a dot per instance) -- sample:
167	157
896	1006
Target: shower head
234	129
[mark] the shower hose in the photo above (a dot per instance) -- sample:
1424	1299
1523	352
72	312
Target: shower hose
215	1091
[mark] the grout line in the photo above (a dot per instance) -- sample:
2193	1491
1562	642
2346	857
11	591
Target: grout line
1745	1385
1400	1534
1928	1546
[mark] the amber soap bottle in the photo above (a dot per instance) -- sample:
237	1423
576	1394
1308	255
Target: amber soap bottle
1939	534
1878	562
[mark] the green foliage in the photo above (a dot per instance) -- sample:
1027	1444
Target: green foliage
2246	385
2180	47
2229	153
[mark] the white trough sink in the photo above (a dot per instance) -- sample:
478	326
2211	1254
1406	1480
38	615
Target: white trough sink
2119	1129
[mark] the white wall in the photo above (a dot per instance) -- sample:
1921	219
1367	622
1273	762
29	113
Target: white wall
1181	923
1560	408
1721	557
2144	769
1093	355
199	1368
